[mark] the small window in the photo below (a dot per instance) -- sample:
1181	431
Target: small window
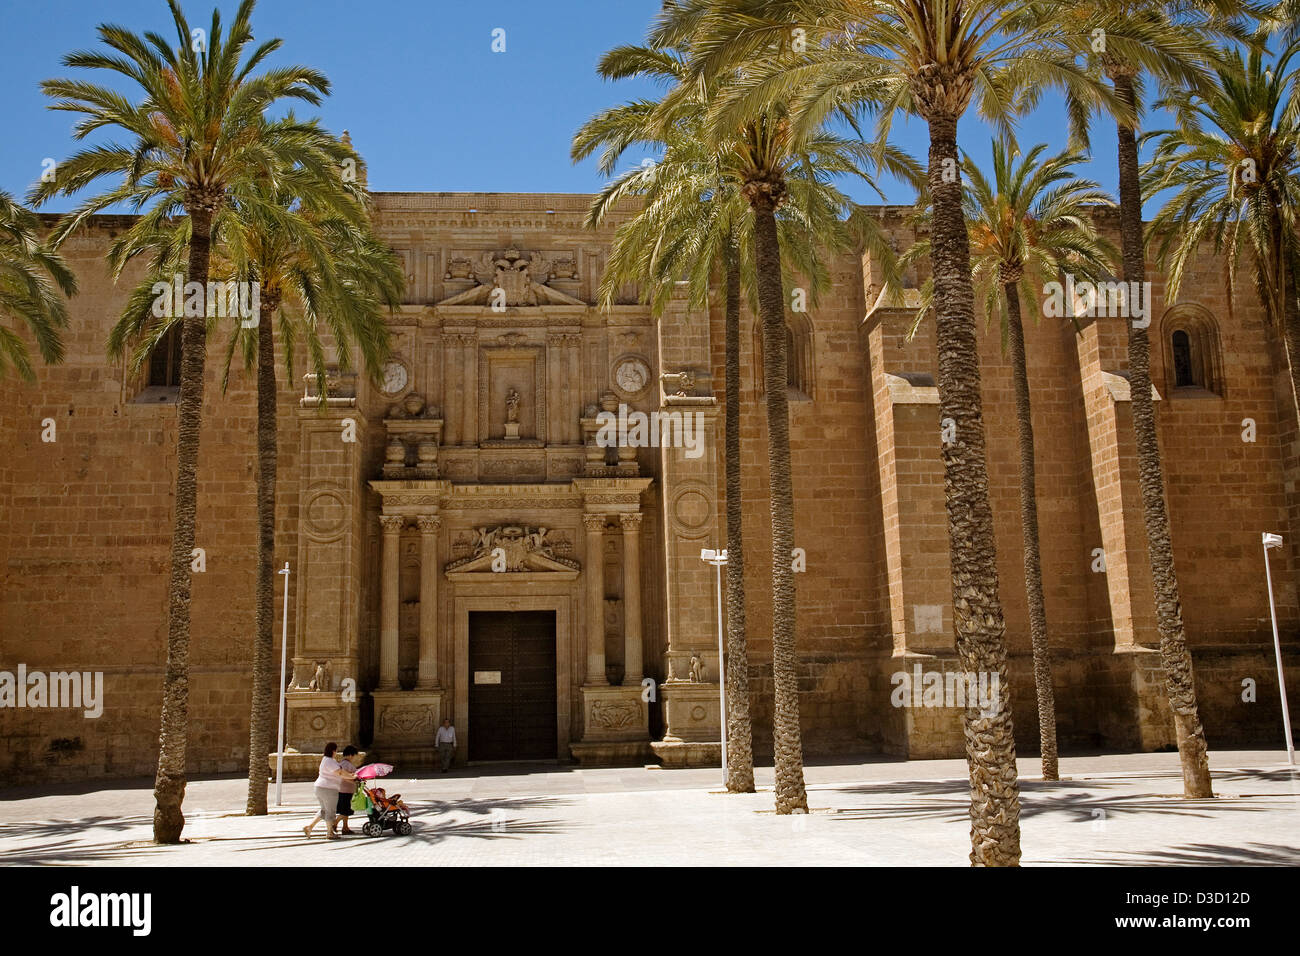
798	359
1193	362
165	361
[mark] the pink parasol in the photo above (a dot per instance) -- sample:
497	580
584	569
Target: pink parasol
372	770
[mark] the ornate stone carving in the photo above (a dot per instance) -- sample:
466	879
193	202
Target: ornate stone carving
520	547
614	715
429	524
392	524
594	523
322	679
631	522
677	383
407	720
632	375
512	407
520	276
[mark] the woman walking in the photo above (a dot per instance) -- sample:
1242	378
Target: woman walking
328	781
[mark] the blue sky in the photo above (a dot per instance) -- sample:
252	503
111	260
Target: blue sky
428	104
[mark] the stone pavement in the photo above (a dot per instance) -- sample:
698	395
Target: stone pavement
1113	809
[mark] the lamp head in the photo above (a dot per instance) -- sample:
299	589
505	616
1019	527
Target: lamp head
1272	541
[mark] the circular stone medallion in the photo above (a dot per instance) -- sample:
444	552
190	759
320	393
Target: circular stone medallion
631	375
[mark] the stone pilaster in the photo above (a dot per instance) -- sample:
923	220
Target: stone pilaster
389	569
689	470
321	704
632	656
594	571
429	526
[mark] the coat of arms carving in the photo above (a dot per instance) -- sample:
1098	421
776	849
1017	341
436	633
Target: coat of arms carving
515	548
521	277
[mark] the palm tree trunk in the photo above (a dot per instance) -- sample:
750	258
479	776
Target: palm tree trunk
977	609
787	737
1029	526
169	783
740	739
1179	684
259	727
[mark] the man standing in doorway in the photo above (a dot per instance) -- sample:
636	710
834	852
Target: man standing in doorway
446	743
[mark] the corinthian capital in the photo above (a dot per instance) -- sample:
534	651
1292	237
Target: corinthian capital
631	521
429	524
392	524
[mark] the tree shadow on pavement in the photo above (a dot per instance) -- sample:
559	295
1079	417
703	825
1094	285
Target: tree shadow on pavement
432	821
1082	801
1197	854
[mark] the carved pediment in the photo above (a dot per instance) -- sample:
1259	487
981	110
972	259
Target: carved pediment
513	548
521	277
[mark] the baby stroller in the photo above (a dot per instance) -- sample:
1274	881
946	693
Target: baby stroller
383	812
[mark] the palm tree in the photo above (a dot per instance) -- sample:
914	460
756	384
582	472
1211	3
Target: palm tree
929	58
676	233
33	283
318	264
691	224
191	140
1168	40
1030	223
1233	161
307	243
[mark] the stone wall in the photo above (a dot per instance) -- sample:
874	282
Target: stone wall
87	519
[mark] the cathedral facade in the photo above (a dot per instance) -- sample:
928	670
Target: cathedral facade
504	527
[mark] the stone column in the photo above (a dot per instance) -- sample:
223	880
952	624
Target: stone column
429	525
388	590
632	672
595	571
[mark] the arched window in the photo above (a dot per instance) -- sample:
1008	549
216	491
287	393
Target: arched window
1193	361
798	358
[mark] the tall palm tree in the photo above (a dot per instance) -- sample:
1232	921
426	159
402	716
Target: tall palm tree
307	242
932	59
1233	161
191	139
1030	223
691	224
319	266
34	281
1169	41
679	232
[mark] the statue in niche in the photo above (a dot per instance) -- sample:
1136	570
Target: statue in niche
512	406
322	679
697	669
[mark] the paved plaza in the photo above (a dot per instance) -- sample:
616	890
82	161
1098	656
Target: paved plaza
1112	810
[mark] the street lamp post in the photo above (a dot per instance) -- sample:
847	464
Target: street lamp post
718	559
284	657
1275	541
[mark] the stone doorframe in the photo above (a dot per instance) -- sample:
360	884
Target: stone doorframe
482	599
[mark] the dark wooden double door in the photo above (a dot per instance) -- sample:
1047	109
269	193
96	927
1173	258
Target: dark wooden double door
512	685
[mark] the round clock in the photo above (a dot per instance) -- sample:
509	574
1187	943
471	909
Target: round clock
395	376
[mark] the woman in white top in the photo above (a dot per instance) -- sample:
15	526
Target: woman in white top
329	780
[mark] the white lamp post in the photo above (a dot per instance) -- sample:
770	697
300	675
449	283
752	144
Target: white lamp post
718	559
1275	541
284	656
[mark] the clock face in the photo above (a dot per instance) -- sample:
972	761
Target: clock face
394	378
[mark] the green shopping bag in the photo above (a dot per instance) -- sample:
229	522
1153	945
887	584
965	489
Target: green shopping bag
361	801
